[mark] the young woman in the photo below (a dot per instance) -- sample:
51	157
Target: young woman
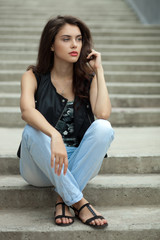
62	145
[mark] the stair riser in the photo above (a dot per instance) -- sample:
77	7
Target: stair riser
36	33
32	57
115	101
98	47
40	197
9	88
133	118
89	234
39	22
133	90
96	41
107	67
126	48
110	20
111	165
112	89
13	119
110	77
134	102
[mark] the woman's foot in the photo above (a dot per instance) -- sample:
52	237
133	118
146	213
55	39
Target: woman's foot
63	217
86	214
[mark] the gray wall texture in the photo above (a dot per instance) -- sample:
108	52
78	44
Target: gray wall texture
147	10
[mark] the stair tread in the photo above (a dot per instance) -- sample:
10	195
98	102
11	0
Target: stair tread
118	95
42	220
134	141
100	181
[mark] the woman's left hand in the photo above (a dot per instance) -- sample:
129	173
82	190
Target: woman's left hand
95	61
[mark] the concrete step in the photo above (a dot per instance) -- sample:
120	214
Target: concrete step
113	87
111	56
129	142
9	87
134	150
131	76
135	117
117	100
135	101
141	222
108	66
125	32
110	190
93	24
124	48
99	47
126	40
110	76
97	30
130	66
97	40
89	22
40	22
11	117
133	88
79	14
101	37
120	6
111	165
27	31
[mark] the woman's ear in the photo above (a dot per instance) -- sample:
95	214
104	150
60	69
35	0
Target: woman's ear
52	48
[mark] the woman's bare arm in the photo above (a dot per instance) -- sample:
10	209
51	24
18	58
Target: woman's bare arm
34	118
99	97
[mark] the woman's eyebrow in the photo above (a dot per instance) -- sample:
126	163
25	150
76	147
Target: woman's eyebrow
71	36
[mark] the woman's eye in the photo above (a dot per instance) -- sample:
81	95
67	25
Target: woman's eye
65	39
79	39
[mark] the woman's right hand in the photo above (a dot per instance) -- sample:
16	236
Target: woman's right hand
58	154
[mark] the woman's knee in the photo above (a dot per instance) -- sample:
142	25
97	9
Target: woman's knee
103	129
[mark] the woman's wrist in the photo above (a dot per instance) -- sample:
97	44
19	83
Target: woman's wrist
99	69
56	136
99	72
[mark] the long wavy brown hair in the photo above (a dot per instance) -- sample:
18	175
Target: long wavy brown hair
45	60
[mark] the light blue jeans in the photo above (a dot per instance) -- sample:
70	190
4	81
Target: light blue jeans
84	162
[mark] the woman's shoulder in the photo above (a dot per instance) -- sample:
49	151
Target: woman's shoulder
28	74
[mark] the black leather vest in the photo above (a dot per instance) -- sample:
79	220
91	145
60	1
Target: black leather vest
51	105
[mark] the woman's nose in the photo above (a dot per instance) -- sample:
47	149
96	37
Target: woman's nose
74	43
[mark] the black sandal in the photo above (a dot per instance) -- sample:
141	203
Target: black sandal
63	215
95	216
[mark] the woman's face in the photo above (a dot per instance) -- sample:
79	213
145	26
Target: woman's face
68	43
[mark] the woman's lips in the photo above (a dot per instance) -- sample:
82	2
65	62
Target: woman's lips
74	54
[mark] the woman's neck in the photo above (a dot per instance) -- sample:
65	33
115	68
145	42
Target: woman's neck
62	70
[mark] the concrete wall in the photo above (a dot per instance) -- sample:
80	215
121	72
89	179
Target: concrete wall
147	10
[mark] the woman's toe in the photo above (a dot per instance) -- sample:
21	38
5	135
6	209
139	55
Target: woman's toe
97	222
93	222
64	220
58	220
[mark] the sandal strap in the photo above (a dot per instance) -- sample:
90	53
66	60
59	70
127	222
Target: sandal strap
89	208
63	216
93	218
62	203
63	211
63	207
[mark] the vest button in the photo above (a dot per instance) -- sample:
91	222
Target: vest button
63	100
